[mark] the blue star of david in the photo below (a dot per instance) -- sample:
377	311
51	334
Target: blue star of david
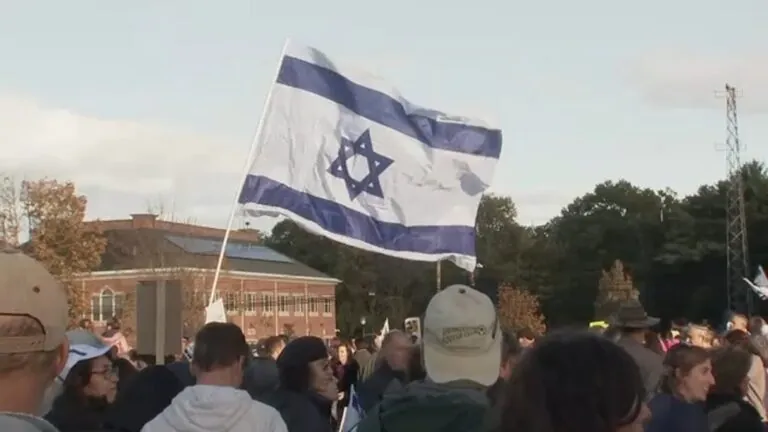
377	164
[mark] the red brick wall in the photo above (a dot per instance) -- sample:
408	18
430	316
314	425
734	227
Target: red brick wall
252	313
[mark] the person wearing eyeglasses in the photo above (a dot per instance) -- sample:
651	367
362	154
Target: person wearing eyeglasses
89	386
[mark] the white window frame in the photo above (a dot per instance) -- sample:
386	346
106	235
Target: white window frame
327	306
97	315
251	304
312	306
299	304
267	303
284	304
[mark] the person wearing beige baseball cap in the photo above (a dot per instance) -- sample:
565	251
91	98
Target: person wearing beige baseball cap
461	350
33	343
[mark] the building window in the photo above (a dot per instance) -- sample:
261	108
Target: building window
327	305
298	305
106	305
283	304
251	302
312	303
268	303
231	301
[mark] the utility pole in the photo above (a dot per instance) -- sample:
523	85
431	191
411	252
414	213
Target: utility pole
737	253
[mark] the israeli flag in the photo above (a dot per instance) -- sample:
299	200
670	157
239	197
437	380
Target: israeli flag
344	155
353	413
760	284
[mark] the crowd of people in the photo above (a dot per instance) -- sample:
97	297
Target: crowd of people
462	373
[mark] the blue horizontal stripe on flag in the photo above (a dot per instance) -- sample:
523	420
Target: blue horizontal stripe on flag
383	109
335	218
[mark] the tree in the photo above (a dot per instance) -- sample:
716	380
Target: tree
519	309
59	236
614	289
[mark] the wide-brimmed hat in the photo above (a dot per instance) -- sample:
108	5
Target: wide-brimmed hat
632	315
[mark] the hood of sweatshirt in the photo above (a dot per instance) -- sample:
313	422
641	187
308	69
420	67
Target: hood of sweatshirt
207	408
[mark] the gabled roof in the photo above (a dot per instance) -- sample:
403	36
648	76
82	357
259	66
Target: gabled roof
149	248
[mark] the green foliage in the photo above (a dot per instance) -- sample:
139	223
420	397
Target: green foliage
671	251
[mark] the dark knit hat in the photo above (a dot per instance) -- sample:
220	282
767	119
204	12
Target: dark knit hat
302	351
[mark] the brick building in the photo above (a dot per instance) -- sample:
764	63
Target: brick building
264	292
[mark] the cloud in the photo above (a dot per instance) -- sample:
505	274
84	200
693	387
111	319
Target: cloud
687	80
120	165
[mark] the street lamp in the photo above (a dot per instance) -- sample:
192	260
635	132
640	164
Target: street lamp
362	323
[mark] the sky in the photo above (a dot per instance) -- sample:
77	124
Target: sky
152	104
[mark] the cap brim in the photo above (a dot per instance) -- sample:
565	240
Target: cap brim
648	322
78	353
442	367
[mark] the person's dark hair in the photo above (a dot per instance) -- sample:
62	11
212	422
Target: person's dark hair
84	323
73	408
348	346
526	333
125	371
133	355
77	379
572	381
148	394
361	344
416	371
510	347
219	345
680	358
293	362
730	366
369	340
742	339
272	343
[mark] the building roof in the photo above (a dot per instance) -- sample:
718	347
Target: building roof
147	247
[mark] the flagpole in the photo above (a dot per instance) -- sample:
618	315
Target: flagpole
248	162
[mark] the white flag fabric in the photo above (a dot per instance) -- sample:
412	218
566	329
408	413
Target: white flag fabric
353	413
383	332
344	155
215	312
760	284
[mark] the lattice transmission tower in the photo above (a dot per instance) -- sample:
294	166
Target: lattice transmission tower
739	293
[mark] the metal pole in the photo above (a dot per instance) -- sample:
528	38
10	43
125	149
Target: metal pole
248	162
439	275
160	316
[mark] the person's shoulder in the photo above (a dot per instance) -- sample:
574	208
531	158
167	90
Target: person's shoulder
264	409
267	416
24	423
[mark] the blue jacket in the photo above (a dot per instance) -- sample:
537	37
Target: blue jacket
670	414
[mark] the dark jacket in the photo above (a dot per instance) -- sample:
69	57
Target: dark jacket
182	372
650	364
670	414
430	407
382	380
347	376
261	377
494	391
149	392
71	414
732	414
301	412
